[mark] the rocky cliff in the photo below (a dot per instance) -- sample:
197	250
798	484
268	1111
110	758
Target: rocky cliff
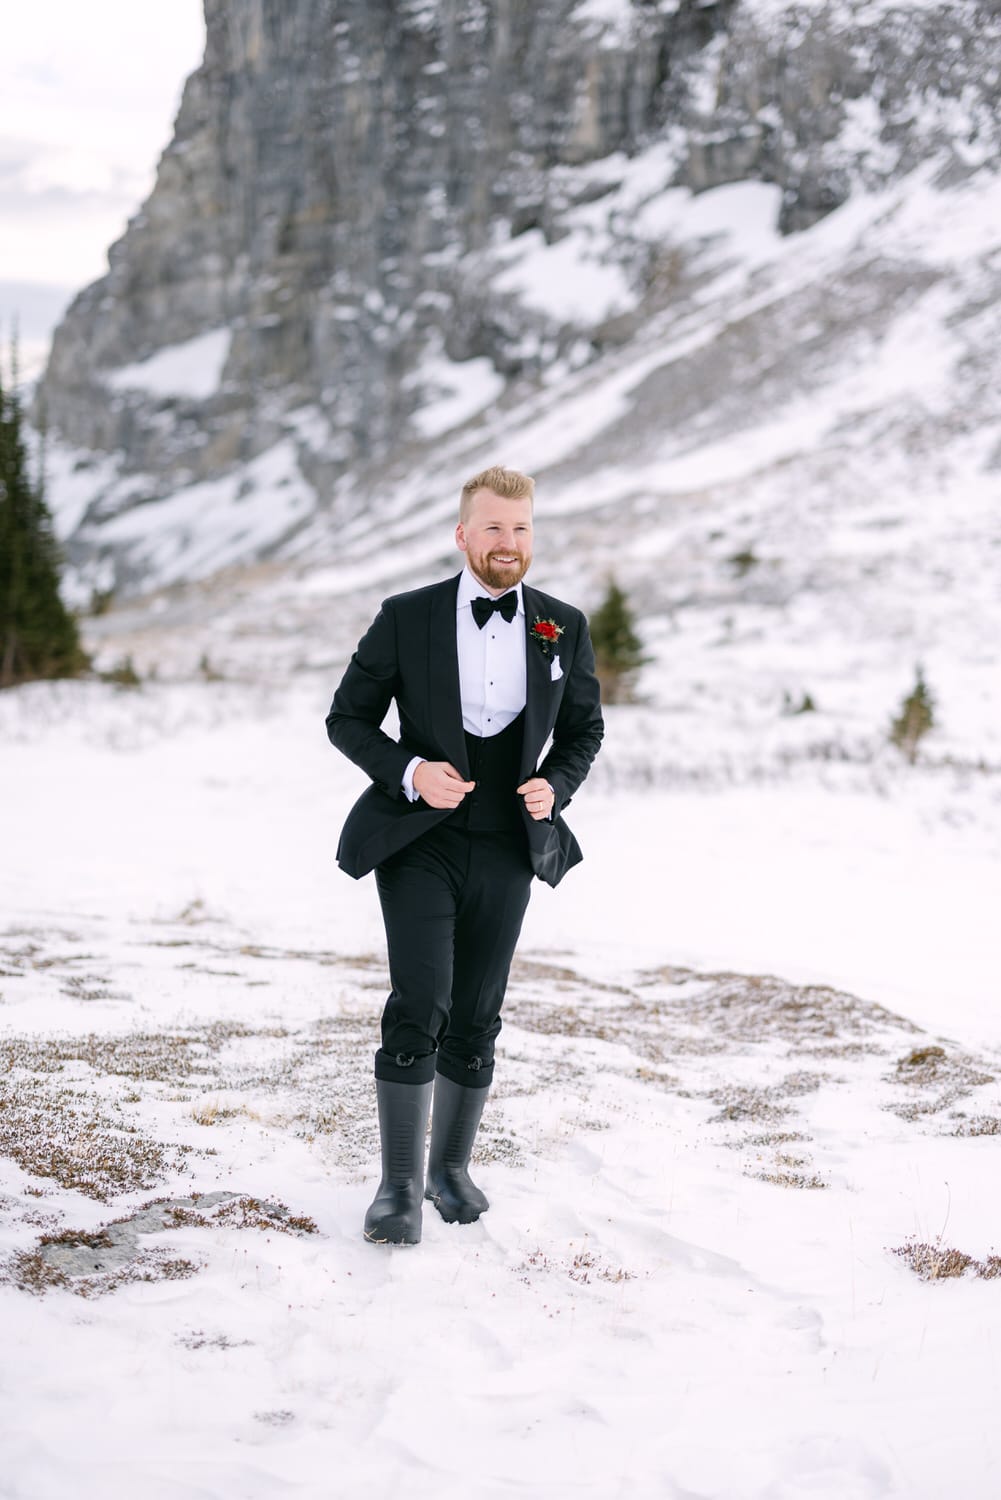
379	219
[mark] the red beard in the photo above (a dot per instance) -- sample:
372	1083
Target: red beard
494	575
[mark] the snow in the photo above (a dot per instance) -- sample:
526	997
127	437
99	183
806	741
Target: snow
745	214
639	1311
686	1283
453	391
72	477
207	526
567	280
192	369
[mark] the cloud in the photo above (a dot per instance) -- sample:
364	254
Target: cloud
88	98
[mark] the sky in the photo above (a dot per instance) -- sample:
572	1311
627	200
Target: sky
88	97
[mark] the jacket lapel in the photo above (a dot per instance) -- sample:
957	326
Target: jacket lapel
539	700
443	676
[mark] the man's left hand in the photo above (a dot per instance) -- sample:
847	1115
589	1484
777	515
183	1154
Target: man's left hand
539	797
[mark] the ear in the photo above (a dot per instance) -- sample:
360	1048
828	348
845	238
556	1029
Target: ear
460	537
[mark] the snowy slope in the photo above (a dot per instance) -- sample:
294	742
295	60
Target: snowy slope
700	1273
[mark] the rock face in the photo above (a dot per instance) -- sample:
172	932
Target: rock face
346	178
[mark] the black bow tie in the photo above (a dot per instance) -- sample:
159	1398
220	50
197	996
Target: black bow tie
506	606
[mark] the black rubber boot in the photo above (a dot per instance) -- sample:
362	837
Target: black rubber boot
395	1215
454	1123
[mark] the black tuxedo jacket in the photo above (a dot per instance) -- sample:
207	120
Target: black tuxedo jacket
409	653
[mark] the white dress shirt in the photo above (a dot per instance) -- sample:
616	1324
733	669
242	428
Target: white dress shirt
492	669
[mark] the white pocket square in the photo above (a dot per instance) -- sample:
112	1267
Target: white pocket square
555	670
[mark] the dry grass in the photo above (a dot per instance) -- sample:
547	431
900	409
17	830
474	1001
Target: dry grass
936	1079
938	1262
583	1266
67	1135
978	1125
58	1122
199	1339
790	1177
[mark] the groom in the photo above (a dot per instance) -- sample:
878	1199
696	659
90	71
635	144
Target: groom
460	816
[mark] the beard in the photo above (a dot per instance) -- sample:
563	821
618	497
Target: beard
497	575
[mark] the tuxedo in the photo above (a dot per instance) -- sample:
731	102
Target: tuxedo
454	883
409	653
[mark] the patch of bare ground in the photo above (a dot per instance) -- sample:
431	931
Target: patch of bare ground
934	1079
93	1262
939	1263
324	958
69	1136
582	1266
199	1339
672	1012
743	1102
740	1008
57	1122
151	1056
25	950
788	1172
978	1125
680	1022
676	1015
784	1167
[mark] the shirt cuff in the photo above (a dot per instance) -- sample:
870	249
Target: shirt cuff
409	790
552	811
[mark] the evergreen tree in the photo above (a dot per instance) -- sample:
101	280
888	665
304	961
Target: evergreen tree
916	717
38	636
618	651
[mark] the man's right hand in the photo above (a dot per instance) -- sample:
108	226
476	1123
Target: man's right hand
439	784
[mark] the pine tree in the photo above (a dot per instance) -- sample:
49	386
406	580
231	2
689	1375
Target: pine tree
618	651
38	636
916	717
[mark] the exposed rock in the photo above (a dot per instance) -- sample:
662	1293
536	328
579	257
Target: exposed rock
346	178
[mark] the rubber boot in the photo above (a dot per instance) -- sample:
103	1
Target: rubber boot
394	1217
454	1123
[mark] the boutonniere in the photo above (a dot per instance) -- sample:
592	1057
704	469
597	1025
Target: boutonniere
546	634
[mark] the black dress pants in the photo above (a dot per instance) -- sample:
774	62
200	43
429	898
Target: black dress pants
453	902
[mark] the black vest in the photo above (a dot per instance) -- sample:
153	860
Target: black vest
494	764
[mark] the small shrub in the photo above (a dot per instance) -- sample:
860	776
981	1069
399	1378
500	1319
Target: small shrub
805	705
618	651
207	670
123	674
743	561
915	719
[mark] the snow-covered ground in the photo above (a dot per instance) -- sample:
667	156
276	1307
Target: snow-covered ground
716	1118
752	1044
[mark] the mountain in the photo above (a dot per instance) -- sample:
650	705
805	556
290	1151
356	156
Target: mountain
378	224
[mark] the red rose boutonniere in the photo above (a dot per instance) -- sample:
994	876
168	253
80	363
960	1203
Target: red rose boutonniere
546	633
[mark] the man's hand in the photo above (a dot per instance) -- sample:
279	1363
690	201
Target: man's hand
539	797
440	784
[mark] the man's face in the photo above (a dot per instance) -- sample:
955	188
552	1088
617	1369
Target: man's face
497	540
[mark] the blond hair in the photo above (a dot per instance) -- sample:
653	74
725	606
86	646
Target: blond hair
508	483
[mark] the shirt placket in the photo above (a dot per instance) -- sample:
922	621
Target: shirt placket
491	666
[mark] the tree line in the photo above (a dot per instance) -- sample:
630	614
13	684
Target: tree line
38	634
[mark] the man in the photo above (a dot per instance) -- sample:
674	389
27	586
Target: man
459	818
